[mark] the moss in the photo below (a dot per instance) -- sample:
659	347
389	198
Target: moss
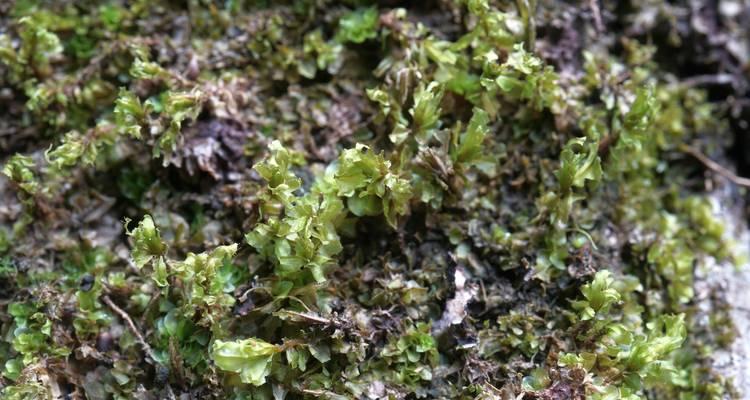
342	199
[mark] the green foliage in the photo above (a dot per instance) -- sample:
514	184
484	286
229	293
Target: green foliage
196	295
73	148
639	361
523	77
708	232
624	354
579	162
323	55
302	241
205	284
679	240
130	113
412	355
674	261
636	145
390	110
451	163
358	26
495	28
30	336
281	181
20	169
179	107
70	151
639	118
201	284
31	390
147	243
92	314
426	111
5	240
511	333
143	69
133	184
39	48
470	148
250	358
369	184
599	296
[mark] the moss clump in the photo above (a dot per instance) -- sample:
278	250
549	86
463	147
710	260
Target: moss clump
351	199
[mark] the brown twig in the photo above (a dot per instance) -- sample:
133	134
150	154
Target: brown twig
704	80
597	14
307	317
131	326
716	167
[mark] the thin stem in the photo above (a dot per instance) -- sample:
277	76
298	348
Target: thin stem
131	326
714	166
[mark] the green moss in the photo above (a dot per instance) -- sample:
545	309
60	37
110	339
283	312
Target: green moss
471	200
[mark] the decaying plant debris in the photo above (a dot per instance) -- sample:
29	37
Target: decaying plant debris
467	199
